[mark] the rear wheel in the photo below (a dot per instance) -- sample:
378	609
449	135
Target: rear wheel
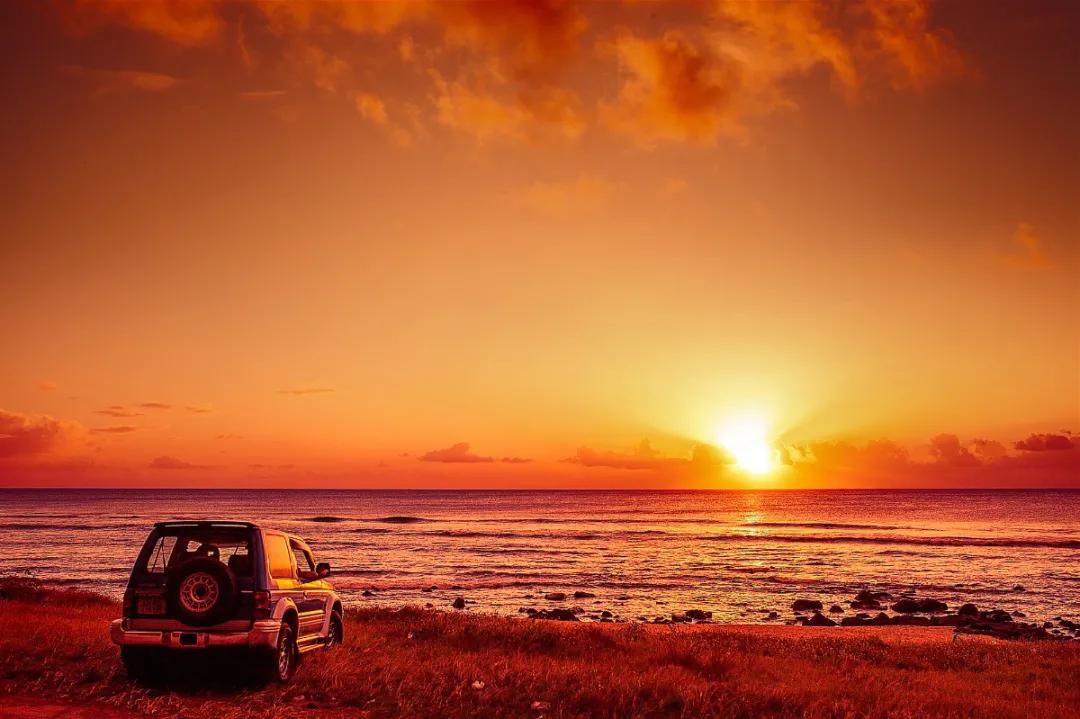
142	664
279	664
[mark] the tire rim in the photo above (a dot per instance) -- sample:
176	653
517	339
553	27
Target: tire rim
284	657
199	592
335	633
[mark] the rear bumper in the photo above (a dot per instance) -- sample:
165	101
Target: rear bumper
263	633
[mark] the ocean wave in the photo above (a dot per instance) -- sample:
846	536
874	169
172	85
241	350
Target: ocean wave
400	519
371	530
824	525
328	519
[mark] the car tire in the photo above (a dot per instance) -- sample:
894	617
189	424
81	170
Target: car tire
336	634
278	665
201	592
142	664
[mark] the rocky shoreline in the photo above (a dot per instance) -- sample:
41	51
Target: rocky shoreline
868	608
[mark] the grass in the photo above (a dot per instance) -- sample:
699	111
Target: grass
418	663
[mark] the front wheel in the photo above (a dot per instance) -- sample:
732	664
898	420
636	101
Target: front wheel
336	635
279	664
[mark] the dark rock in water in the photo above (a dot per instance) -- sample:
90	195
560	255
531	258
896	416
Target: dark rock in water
968	610
865	604
555	596
1007	630
951	620
866	595
773	615
698	614
429	605
819	620
367	593
397	519
1018	588
577	610
1019	614
455	588
806	605
608	615
853	621
530	610
1048	625
584	595
910	606
327	519
995	615
459	603
432	588
880	620
679	618
836	609
559	615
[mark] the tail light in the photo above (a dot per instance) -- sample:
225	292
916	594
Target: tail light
261	604
129	603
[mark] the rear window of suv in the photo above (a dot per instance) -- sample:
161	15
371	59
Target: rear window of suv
172	546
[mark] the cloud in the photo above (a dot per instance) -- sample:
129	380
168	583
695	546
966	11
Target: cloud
515	460
455	453
116	410
155	405
116	429
556	199
1027	251
272	466
642	457
1045	443
947	449
198	410
372	108
838	455
184	22
23	435
107	81
46	386
297	391
166	462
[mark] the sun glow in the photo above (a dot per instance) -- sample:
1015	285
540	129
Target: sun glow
747	439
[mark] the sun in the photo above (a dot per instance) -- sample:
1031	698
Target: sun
747	439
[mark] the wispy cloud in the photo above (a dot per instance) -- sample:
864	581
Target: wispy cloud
166	462
116	429
1026	250
306	390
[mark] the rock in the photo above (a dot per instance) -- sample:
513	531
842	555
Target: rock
458	603
577	610
367	593
1048	625
951	620
1018	588
558	615
996	615
698	614
865	604
773	615
1019	614
968	610
584	595
608	615
836	609
819	620
428	605
866	595
806	605
881	620
910	606
555	596
679	618
455	588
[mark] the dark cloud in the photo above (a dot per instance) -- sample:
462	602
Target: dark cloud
117	410
22	435
116	429
515	460
1045	443
155	405
166	462
197	410
455	453
947	449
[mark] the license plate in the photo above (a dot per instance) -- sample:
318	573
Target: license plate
151	605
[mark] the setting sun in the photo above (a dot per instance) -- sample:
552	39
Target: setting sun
747	441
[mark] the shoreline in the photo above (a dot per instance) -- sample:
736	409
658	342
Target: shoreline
456	664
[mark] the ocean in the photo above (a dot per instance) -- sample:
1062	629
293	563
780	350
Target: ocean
643	554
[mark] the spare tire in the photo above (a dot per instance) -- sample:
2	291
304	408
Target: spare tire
201	592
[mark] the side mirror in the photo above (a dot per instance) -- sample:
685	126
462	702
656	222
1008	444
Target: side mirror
322	569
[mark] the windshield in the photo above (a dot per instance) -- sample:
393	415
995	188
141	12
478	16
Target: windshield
173	546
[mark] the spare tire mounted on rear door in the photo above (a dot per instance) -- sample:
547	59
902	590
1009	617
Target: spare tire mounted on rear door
201	592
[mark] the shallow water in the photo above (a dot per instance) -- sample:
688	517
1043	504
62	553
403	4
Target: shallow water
738	554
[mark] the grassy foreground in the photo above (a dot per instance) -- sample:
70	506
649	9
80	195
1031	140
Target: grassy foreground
420	663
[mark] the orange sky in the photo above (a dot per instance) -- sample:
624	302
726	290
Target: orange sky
538	245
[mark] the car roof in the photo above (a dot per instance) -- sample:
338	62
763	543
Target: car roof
216	523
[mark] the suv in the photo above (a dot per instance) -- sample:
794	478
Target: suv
206	584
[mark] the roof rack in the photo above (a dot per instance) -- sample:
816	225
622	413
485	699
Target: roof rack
206	523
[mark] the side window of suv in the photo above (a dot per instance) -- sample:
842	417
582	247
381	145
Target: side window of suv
277	550
303	559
